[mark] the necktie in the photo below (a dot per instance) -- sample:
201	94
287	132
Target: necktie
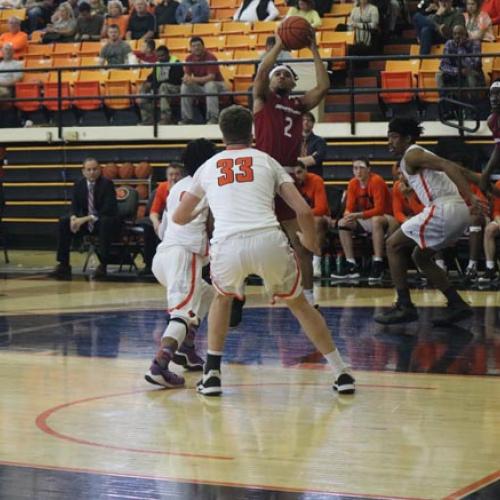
91	208
303	148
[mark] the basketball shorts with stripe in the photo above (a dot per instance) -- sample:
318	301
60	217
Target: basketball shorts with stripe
265	253
438	225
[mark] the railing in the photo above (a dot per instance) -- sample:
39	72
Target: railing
351	90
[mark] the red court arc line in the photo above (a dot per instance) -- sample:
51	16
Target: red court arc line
41	423
474	486
268	487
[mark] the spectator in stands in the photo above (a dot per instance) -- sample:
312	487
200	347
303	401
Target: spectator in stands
147	54
62	25
491	232
201	79
270	43
8	80
39	14
97	7
15	37
365	21
167	80
115	16
312	188
492	8
313	150
141	23
165	13
478	22
116	51
437	28
469	73
93	211
193	11
88	25
368	198
305	9
405	203
256	10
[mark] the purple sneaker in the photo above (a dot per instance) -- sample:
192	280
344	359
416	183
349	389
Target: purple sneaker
188	358
164	377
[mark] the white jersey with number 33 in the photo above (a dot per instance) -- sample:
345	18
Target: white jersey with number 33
240	185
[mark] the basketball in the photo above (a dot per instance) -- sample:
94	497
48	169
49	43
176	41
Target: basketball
110	171
142	170
143	191
126	171
295	33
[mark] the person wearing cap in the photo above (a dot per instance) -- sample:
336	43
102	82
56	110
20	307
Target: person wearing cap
278	130
442	187
368	202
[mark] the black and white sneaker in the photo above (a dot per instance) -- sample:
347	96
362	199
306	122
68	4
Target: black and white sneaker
488	276
350	271
344	384
210	384
377	271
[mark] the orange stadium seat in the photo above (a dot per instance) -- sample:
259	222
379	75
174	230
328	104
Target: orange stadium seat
396	80
235	27
32	62
51	90
240	86
495	69
63	61
215	42
222	14
330	23
135	44
89	61
223	4
412	65
87	89
66	76
427	80
228	72
225	55
177	44
67	48
115	88
265	27
241	41
40	50
206	29
91	48
341	9
25	90
176	30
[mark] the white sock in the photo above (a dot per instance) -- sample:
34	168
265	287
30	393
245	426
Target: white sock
440	263
472	264
336	362
309	295
377	259
352	261
316	260
490	264
214	353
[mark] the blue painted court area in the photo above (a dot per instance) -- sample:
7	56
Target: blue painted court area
271	336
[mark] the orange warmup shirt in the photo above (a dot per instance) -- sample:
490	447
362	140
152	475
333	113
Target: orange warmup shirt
373	199
313	191
160	199
19	42
496	203
404	207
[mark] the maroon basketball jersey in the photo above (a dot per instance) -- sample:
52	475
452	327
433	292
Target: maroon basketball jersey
278	128
494	126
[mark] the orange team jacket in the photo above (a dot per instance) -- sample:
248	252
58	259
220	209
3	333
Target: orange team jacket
160	199
313	191
403	206
496	203
373	199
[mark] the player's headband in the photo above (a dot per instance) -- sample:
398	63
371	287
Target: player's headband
283	67
495	85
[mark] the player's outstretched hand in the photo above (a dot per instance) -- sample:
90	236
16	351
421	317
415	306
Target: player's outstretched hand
310	244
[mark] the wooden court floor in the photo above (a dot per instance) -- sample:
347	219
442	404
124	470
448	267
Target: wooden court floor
77	419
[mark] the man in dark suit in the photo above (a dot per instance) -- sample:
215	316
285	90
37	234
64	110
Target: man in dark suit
93	211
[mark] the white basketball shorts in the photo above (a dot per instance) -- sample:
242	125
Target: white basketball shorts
266	253
438	225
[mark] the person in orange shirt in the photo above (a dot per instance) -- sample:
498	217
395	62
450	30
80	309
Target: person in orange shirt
368	201
405	202
491	231
312	188
153	232
17	38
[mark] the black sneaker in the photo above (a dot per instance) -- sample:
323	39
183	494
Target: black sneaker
61	272
398	313
210	384
377	272
350	271
452	314
488	276
344	384
470	274
236	312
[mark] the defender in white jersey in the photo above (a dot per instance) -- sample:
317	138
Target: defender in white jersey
240	185
177	265
441	187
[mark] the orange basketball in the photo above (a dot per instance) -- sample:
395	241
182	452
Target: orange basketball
143	191
141	211
142	170
295	33
110	170
126	171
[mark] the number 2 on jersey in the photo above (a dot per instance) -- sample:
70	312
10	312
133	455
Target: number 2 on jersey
288	126
226	166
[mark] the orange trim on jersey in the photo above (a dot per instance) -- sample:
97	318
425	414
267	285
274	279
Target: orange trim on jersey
295	285
423	226
426	187
191	290
223	292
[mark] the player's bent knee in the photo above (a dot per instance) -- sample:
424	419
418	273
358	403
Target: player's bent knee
177	329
